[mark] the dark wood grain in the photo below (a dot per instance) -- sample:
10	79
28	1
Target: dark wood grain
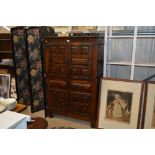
6	52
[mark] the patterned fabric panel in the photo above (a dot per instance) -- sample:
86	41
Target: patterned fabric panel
20	58
47	31
35	64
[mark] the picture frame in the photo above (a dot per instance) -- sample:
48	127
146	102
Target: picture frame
84	29
119	103
148	120
4	85
62	30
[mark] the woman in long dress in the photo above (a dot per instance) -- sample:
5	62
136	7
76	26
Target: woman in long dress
119	106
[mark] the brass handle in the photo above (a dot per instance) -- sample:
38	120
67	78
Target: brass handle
68	41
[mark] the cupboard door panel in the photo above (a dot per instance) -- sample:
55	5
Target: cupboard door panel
80	61
81	51
80	72
57	70
84	98
76	108
57	99
58	49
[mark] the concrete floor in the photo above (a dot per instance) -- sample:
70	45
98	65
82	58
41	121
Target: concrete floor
60	121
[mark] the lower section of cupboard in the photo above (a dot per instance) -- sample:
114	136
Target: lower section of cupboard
74	114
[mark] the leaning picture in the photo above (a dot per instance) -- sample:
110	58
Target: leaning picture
153	117
4	85
119	106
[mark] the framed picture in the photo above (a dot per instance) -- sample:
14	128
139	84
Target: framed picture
62	29
4	85
84	28
149	106
119	104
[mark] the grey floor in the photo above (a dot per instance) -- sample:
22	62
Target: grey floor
60	121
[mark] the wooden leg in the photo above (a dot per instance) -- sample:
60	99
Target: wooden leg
46	113
93	124
51	115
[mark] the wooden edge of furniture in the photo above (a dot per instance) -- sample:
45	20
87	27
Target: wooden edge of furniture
19	108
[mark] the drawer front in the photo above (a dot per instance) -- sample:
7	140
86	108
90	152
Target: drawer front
57	84
84	87
76	61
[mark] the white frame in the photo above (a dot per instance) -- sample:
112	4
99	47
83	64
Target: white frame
7	76
134	87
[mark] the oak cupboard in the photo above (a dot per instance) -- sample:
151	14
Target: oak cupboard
73	66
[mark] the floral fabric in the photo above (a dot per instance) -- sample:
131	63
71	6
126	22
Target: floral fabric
34	40
47	31
20	58
36	71
29	69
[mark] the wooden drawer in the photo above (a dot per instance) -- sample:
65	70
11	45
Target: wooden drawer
76	61
57	84
83	87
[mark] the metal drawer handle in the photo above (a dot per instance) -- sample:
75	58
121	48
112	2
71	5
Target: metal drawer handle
68	41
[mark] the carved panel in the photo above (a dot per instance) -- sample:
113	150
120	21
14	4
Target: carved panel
57	70
79	108
58	49
80	97
80	61
80	72
57	99
83	51
57	55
